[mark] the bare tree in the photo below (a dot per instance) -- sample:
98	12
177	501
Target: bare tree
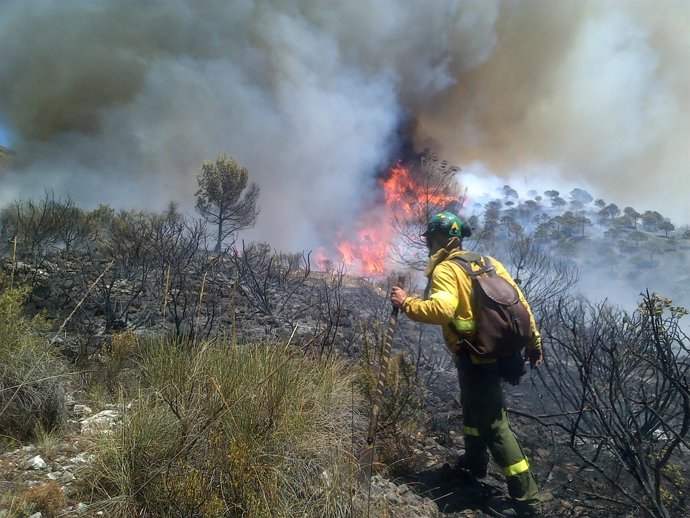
44	226
31	223
329	309
620	384
72	226
269	281
181	278
543	276
130	246
29	228
225	197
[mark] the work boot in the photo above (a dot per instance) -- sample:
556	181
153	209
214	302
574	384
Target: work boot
469	467
508	507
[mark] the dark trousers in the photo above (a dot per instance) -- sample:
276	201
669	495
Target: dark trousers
487	428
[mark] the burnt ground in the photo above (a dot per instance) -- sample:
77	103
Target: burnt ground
565	487
456	494
426	471
453	493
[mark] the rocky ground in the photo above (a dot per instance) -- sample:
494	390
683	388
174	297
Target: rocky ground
426	487
432	490
39	469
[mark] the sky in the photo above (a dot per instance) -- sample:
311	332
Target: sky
120	102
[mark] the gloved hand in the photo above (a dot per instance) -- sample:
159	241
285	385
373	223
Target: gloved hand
398	296
535	356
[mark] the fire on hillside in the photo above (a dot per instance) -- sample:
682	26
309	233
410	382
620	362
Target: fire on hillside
409	197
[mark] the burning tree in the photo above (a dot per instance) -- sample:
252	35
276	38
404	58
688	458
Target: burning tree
392	230
225	198
415	195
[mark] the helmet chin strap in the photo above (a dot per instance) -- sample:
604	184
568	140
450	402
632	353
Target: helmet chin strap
453	243
440	242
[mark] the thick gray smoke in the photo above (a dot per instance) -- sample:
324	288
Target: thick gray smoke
120	101
589	92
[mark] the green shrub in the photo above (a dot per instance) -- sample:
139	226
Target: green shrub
249	430
32	390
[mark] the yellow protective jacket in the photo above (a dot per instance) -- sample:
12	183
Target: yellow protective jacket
448	302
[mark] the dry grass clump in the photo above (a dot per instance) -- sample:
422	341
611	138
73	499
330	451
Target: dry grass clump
13	505
115	361
46	498
32	393
218	430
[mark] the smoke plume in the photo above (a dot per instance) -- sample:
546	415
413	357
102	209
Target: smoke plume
120	101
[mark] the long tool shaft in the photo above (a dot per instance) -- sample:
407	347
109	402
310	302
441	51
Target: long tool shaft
366	456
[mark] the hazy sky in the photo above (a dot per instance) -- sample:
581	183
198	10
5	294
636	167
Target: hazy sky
4	135
120	101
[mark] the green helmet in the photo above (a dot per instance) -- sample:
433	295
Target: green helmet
446	223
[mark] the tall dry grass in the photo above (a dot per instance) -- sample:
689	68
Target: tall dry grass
223	430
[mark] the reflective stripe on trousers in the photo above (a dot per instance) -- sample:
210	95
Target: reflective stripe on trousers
487	426
517	468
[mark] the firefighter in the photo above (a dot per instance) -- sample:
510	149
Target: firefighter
486	426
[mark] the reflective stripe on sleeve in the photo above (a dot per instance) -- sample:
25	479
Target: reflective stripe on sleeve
464	325
472	431
445	297
517	468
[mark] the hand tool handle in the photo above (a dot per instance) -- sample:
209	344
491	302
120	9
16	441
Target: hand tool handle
366	457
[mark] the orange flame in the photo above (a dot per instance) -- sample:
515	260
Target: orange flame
375	233
368	253
403	193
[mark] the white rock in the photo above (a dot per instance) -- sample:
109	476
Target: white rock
36	515
67	477
101	422
54	475
82	458
36	463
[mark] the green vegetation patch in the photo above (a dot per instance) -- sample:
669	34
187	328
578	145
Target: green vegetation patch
222	430
32	378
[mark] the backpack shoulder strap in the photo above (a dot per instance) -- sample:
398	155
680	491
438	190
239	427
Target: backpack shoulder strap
465	260
469	257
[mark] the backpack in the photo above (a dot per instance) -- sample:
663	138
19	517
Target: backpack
502	320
